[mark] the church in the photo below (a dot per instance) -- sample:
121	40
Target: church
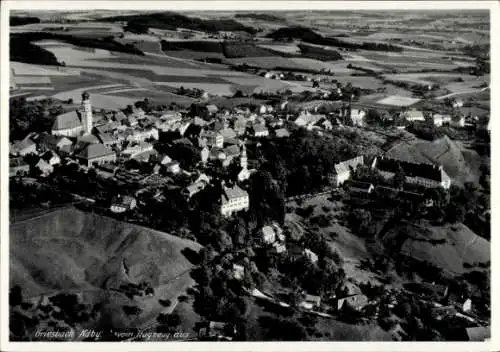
75	123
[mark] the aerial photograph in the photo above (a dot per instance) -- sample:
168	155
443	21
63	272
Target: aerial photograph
261	176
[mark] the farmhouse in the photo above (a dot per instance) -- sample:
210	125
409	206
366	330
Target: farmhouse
46	141
357	117
24	147
426	175
342	171
260	131
440	120
413	115
96	154
310	302
194	188
233	200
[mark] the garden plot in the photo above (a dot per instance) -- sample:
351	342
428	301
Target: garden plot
78	92
288	49
27	80
395	100
23	69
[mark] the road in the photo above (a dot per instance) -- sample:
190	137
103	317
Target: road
467	91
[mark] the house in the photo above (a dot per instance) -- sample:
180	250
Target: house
228	133
194	188
353	299
308	120
413	115
238	272
313	257
212	138
458	103
212	109
310	302
282	133
46	141
427	175
173	167
440	120
17	166
217	154
233	200
215	330
357	117
51	157
44	167
361	187
23	147
268	235
122	204
137	148
260	130
342	171
96	153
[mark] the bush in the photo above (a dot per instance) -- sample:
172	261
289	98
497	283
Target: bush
165	302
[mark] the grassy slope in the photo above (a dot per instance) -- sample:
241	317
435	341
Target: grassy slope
443	151
70	250
461	246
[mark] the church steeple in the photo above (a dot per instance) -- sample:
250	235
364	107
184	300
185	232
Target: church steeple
243	157
86	113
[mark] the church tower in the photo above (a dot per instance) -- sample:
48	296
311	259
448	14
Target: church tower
243	158
86	113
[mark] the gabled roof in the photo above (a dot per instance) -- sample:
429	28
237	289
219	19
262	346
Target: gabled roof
233	193
259	128
282	132
67	121
92	151
345	166
25	143
232	150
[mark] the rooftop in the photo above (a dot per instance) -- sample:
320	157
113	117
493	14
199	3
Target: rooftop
93	151
67	120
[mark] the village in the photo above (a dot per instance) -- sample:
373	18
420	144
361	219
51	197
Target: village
123	147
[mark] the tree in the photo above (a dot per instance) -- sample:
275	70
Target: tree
15	296
399	178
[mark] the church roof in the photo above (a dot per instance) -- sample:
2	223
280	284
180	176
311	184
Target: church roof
67	121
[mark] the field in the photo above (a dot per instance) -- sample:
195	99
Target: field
68	250
394	100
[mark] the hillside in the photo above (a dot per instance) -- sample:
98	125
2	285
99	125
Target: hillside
171	20
441	151
71	251
453	248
